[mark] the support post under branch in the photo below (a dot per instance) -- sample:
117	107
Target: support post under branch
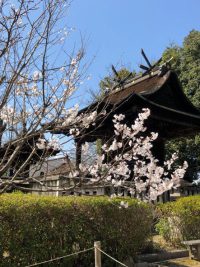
78	153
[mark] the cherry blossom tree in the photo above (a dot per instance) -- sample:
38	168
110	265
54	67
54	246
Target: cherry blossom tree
131	165
36	82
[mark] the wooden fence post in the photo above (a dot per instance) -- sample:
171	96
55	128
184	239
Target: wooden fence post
97	253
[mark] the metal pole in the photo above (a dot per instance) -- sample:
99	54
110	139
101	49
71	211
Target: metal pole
97	253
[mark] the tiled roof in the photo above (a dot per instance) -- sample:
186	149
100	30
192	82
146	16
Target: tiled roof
144	85
51	167
64	168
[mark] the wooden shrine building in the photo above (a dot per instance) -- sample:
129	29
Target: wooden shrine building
172	114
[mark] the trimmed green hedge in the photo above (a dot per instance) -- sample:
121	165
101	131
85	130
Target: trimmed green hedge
180	220
34	229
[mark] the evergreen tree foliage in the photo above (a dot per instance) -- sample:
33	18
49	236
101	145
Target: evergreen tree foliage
107	83
186	63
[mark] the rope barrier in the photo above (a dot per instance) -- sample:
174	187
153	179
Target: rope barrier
76	253
111	257
59	258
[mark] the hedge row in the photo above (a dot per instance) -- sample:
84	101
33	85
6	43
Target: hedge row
180	220
34	229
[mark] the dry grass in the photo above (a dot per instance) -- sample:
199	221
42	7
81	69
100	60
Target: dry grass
159	243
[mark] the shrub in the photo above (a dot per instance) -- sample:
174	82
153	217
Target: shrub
180	220
34	229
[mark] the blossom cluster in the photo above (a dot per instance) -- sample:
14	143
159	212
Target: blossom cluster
30	99
131	164
29	85
76	122
52	143
7	114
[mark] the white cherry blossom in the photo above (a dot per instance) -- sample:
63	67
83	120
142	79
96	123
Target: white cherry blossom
133	165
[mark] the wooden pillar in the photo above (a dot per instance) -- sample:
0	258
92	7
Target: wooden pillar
78	153
26	171
158	150
2	129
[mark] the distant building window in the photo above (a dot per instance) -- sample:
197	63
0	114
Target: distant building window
87	192
94	192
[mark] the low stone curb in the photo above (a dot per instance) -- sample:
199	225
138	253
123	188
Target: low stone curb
158	257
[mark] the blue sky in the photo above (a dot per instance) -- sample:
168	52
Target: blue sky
116	30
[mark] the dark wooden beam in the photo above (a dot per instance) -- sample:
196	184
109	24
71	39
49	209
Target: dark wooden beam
146	59
158	150
78	153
